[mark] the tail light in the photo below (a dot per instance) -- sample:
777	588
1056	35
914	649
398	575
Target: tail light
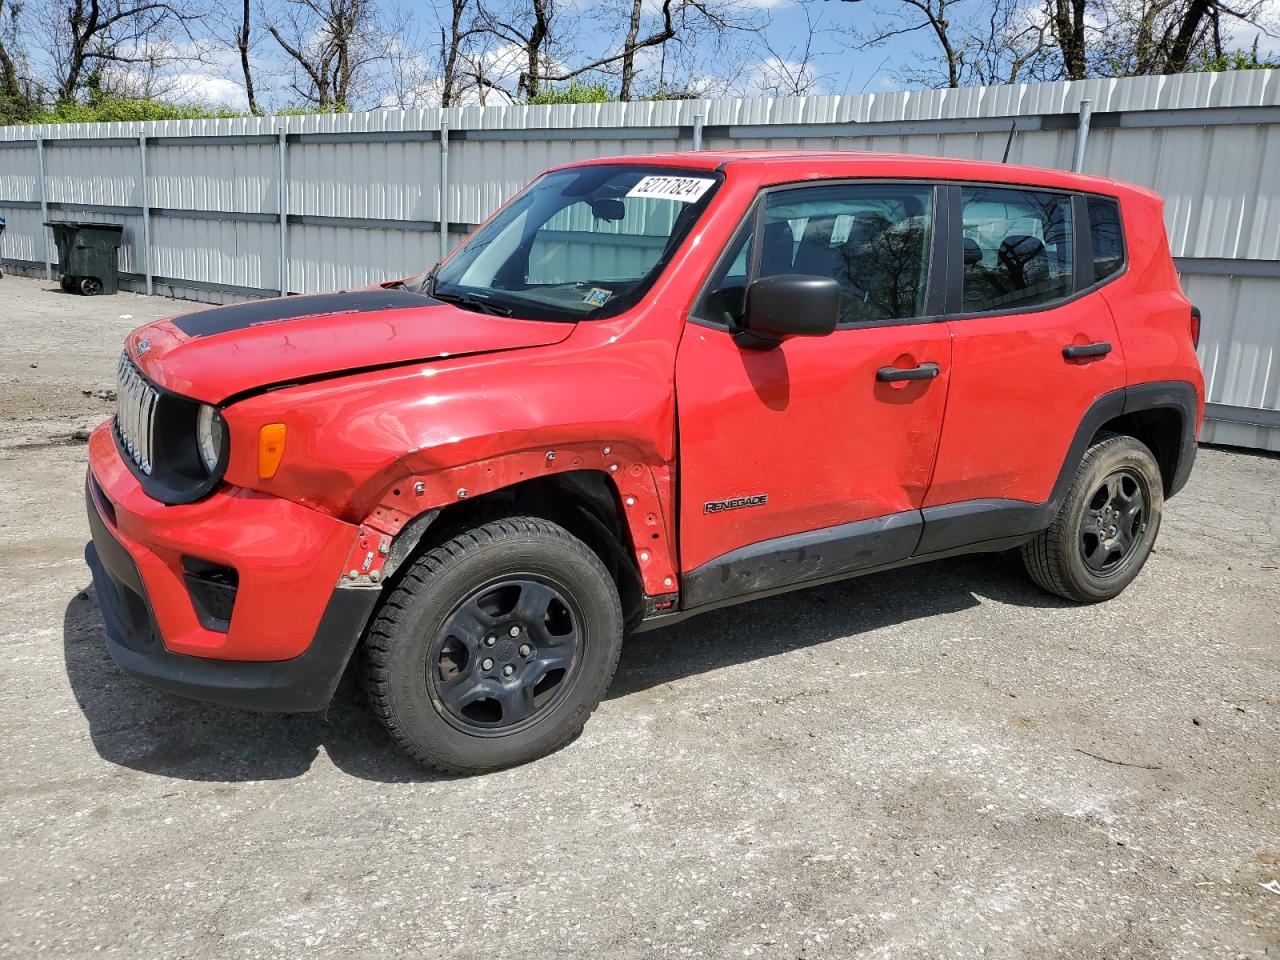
1195	326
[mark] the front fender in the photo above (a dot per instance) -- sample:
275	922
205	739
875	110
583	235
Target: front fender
380	448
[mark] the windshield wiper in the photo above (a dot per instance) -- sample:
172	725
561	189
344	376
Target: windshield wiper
472	303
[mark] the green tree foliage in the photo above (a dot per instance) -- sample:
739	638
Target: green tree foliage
575	91
1241	60
101	108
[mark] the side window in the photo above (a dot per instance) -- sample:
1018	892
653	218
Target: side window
873	239
1107	237
725	301
1017	248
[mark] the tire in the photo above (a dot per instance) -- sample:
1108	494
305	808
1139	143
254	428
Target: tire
518	597
1106	527
90	286
67	283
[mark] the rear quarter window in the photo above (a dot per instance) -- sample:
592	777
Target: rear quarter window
1106	235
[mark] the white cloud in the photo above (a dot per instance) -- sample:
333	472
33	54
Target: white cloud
208	90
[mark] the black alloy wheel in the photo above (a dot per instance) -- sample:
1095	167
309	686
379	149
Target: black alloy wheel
505	656
1113	522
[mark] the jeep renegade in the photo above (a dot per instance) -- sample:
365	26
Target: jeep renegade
645	388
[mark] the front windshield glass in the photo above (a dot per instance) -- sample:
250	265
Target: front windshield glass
578	244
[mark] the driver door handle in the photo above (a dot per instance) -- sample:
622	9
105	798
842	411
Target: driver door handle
1077	350
926	371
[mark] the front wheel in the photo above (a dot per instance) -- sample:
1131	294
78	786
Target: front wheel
1106	526
90	286
495	647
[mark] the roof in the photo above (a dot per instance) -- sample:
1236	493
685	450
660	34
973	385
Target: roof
788	165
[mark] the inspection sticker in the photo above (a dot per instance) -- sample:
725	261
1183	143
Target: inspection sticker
684	189
597	296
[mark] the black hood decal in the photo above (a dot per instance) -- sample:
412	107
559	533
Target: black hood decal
206	323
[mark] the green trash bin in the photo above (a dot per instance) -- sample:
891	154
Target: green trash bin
88	255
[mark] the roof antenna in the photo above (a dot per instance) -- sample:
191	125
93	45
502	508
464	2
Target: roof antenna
1009	143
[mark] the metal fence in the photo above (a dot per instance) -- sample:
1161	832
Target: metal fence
224	209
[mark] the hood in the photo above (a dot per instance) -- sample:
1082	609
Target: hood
214	354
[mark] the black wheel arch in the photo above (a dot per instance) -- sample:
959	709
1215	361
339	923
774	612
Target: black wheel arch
584	502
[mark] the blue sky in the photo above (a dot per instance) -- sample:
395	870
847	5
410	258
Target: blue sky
749	63
748	66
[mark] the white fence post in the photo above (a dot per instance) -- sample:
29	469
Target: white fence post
146	215
444	184
283	203
1082	135
44	207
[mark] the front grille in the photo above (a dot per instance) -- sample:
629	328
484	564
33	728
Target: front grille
135	413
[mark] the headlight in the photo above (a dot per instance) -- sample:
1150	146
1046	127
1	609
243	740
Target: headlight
211	431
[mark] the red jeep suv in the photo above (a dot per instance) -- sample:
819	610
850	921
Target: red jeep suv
646	387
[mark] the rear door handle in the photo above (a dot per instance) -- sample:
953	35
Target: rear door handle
926	371
1077	350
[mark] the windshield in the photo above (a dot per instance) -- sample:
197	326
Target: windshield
578	244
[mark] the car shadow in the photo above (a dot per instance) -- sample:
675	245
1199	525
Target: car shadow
144	729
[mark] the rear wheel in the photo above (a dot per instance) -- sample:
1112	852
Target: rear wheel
90	286
68	283
1106	526
495	647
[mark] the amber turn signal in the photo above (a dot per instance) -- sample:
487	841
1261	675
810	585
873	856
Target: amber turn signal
270	449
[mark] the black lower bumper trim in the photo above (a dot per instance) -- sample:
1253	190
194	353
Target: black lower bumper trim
302	684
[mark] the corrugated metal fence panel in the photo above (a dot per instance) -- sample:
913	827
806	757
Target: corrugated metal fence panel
1221	184
109	175
219	252
371	255
489	173
18	172
219	176
380	180
23	235
364	200
1239	352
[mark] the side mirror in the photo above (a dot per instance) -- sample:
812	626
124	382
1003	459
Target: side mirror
789	305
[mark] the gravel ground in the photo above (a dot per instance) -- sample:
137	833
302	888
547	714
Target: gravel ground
940	761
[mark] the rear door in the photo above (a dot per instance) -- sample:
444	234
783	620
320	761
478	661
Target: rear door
1021	300
803	461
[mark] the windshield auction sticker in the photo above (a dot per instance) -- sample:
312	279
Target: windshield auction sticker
684	189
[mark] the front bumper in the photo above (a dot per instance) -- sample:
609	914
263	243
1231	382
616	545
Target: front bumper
291	631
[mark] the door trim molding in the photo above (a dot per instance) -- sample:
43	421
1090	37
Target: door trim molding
784	561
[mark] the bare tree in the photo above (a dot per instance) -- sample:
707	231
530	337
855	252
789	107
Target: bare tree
331	46
526	26
10	87
932	16
1011	45
453	57
1069	27
533	28
87	36
242	44
793	71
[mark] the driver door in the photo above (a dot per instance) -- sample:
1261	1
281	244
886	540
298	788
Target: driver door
808	461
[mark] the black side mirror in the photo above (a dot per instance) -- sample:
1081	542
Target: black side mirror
789	305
